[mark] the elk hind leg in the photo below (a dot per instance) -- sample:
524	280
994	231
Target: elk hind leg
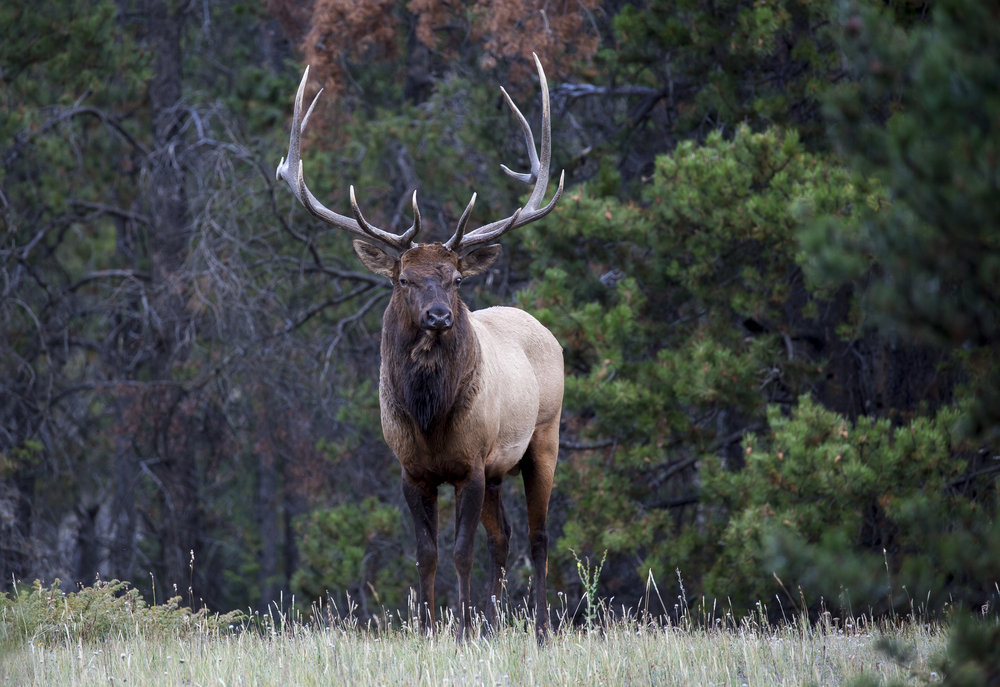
538	468
494	519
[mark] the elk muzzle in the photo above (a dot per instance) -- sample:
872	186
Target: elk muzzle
437	317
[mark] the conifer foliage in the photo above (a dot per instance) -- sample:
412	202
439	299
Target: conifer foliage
862	515
681	328
929	241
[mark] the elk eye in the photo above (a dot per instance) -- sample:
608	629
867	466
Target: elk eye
458	280
404	282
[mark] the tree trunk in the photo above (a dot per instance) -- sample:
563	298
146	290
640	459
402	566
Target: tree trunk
168	197
294	505
87	544
419	82
17	487
121	553
16	496
170	234
267	515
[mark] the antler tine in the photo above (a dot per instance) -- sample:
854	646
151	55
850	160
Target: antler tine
305	120
495	230
505	226
414	229
539	168
367	228
456	240
285	167
290	170
401	242
539	176
529	142
546	158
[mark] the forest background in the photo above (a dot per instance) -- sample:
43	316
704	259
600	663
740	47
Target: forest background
775	274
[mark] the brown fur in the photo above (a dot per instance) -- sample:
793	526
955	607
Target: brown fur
429	370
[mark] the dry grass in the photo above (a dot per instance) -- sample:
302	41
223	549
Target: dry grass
620	652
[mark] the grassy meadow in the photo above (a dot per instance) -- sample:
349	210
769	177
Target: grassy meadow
614	652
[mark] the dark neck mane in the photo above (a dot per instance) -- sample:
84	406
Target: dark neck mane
431	374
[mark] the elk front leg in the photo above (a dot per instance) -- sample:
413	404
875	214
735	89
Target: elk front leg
468	507
423	503
497	526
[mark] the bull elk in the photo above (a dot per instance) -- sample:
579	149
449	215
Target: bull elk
465	397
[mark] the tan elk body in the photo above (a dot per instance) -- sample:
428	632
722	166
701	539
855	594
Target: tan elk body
466	397
514	389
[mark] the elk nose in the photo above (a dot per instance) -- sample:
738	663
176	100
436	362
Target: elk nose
438	316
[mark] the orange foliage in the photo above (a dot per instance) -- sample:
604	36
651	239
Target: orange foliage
293	15
359	29
562	32
431	14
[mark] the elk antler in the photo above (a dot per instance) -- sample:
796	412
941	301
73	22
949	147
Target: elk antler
539	176
291	171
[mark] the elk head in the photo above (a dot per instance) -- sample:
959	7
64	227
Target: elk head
426	276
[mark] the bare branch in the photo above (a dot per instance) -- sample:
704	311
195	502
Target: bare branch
972	475
326	304
110	210
583	90
576	446
730	439
678	502
343	324
109	274
108	120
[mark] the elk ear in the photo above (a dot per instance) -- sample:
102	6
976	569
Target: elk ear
479	260
375	259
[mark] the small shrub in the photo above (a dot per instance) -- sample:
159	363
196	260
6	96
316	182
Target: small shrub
873	518
108	609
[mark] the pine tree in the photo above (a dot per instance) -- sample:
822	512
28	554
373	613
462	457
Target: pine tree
923	118
681	318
